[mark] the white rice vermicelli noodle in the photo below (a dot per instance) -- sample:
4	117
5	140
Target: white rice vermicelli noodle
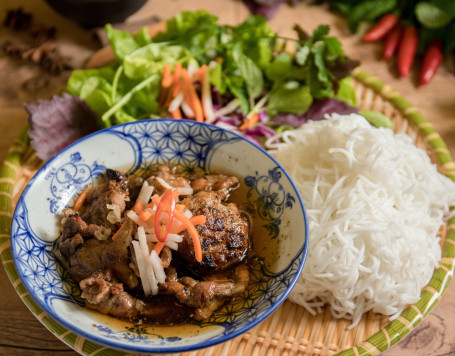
375	203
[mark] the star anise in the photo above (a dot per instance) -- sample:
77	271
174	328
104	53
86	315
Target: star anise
17	19
43	34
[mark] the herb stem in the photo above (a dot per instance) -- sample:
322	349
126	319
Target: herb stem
126	98
257	108
117	76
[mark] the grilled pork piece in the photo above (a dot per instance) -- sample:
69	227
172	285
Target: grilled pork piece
107	201
102	293
224	237
85	254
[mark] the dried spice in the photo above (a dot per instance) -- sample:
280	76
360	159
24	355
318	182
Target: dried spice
42	52
46	55
17	19
43	34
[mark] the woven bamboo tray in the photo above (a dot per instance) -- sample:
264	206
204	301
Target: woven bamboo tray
291	330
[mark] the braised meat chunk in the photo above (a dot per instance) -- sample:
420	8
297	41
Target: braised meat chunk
206	296
106	296
224	237
218	183
166	176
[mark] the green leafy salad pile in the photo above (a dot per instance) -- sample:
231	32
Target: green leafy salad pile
246	78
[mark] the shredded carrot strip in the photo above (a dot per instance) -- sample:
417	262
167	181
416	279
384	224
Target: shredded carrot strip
176	85
144	216
118	231
139	207
180	207
176	114
250	121
191	96
201	73
158	247
193	233
195	220
81	198
166	82
176	194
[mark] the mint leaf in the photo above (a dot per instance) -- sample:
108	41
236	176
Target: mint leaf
250	72
236	87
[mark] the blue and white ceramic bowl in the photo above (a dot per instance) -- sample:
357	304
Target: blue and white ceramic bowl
281	230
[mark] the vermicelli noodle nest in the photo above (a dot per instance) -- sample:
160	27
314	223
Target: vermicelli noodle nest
375	203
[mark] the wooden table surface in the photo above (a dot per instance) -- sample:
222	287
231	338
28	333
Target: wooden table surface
21	333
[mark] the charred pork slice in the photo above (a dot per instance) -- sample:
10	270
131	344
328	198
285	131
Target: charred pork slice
103	293
217	183
85	254
107	202
224	237
208	295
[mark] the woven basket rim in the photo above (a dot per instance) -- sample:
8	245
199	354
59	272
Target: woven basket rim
375	344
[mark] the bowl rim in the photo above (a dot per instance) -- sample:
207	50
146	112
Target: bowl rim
157	349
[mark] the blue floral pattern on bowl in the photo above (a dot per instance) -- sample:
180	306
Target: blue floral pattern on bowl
70	178
135	147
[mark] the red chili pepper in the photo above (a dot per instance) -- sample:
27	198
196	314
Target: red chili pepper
407	50
431	62
391	42
384	25
166	205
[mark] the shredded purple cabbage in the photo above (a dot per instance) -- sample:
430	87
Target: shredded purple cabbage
260	130
316	112
58	122
266	8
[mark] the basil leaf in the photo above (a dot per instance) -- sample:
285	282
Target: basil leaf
430	15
